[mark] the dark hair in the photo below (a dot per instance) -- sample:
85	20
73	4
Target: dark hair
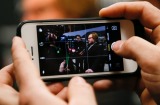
78	36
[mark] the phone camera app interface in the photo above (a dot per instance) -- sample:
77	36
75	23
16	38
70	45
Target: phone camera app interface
78	48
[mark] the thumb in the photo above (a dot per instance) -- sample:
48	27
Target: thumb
135	48
146	54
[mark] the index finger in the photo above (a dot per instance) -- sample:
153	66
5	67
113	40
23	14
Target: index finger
26	73
144	11
32	88
6	75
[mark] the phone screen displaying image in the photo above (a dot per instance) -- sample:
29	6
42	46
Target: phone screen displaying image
78	48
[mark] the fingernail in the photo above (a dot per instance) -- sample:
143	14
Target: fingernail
79	80
115	46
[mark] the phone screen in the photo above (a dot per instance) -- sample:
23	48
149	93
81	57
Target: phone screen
78	48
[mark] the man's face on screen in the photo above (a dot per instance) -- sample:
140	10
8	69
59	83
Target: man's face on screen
90	39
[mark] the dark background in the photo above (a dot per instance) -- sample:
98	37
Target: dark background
9	19
8	12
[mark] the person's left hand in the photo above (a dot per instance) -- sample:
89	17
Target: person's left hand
33	91
8	95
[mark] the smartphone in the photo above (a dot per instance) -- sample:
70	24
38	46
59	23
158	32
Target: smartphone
62	49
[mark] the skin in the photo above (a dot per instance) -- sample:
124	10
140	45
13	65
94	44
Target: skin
90	39
57	9
6	82
33	91
42	9
54	9
78	39
154	2
147	55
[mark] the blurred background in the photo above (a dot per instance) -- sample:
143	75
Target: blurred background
14	11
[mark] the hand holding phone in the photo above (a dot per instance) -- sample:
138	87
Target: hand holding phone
82	47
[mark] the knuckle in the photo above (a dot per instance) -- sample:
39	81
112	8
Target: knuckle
156	57
130	42
146	3
150	63
129	47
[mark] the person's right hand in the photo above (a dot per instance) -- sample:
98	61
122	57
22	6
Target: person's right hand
33	91
146	54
